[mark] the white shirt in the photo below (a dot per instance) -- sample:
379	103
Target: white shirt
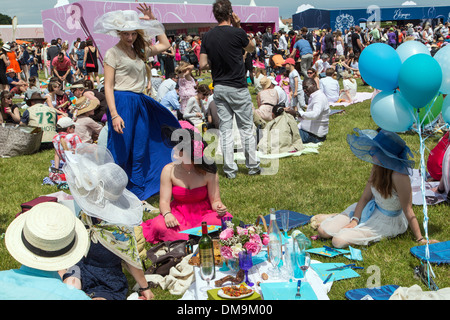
321	66
317	114
331	88
282	96
166	86
282	43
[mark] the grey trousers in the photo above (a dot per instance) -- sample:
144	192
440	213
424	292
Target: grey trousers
236	102
306	63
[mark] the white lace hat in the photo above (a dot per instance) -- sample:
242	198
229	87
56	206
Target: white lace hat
47	237
98	186
126	20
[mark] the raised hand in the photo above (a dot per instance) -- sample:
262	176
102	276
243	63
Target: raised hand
146	11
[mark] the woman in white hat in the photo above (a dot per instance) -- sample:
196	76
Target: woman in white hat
4	63
134	118
384	209
110	212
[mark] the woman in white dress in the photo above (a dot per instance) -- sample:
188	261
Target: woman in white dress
350	86
339	43
385	207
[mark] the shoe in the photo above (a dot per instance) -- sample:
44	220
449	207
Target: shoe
230	176
148	208
254	172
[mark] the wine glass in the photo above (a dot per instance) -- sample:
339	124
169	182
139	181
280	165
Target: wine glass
274	248
245	263
305	265
206	273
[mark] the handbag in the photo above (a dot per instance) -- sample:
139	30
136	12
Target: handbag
166	255
193	58
26	206
90	65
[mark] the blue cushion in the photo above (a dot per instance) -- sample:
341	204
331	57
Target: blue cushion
381	293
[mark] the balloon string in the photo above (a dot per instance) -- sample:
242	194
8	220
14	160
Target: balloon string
425	207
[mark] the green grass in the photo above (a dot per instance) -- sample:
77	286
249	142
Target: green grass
326	182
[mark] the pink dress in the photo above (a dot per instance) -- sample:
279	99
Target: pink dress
190	207
186	91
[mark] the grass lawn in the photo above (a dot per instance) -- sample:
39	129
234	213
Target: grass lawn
326	182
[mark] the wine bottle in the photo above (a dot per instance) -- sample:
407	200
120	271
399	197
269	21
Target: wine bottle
206	251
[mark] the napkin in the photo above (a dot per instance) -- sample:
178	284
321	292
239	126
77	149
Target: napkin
327	253
321	270
197	231
286	291
355	254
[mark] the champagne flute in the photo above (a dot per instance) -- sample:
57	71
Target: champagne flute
285	221
274	248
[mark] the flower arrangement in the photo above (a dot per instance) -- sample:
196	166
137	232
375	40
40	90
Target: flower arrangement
235	239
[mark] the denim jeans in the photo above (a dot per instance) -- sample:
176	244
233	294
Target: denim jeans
308	137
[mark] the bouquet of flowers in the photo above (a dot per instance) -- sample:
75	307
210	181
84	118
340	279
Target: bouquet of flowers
235	239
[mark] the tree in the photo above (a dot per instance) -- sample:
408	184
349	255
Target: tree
5	19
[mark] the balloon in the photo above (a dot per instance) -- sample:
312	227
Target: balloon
446	110
391	111
410	48
379	66
442	56
430	112
420	79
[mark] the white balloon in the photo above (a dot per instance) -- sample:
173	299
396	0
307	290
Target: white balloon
410	48
442	56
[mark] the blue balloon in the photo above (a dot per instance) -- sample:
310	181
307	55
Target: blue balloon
410	48
379	66
446	110
391	111
443	58
420	79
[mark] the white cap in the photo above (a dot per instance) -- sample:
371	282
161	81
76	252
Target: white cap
65	122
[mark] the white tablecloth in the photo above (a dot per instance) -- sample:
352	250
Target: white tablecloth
196	292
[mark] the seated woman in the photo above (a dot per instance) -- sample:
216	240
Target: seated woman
280	135
109	212
348	92
385	207
266	99
9	112
434	162
58	99
189	192
195	110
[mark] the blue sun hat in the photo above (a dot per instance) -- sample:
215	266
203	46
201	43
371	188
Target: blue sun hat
384	148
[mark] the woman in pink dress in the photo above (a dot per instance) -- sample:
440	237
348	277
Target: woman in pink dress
189	192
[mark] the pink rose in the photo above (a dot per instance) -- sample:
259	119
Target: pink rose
241	231
226	234
226	252
265	239
254	244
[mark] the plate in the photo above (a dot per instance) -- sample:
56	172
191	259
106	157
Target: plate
222	294
286	291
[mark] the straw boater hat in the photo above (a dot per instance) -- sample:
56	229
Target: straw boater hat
36	96
384	148
113	22
98	186
6	47
84	105
47	237
265	82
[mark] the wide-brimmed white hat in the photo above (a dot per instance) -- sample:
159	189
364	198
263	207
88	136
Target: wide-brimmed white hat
47	237
126	20
98	186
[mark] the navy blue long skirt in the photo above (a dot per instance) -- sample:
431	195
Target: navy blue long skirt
140	150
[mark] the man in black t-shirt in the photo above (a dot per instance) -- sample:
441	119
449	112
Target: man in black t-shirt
222	51
356	41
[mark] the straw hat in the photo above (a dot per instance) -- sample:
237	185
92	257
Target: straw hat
265	82
84	105
6	47
113	22
47	237
385	149
10	70
98	186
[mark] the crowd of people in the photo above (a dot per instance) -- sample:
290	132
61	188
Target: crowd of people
152	90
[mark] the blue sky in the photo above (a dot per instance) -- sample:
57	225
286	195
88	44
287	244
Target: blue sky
29	11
